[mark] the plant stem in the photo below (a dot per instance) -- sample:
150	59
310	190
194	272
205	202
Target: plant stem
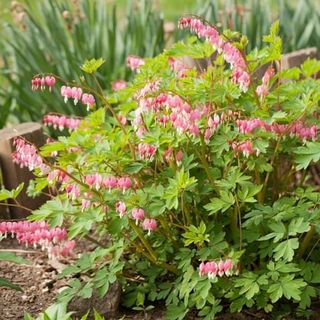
306	241
93	240
239	223
165	226
19	251
204	161
152	257
143	240
15	205
234	224
266	180
79	182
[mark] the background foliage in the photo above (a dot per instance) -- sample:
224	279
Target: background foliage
41	32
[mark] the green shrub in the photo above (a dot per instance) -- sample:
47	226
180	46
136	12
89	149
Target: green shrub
193	183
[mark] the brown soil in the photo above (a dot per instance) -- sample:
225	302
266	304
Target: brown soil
38	281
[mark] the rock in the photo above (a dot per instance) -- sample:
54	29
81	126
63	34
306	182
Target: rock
107	306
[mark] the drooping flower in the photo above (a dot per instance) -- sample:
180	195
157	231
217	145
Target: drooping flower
146	151
54	240
88	100
41	83
150	225
118	85
137	214
61	122
73	191
245	147
134	62
230	53
121	208
124	183
94	180
213	269
26	155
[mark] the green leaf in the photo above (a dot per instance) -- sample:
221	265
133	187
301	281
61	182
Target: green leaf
91	66
308	293
12	257
279	115
5	194
18	190
292	287
310	67
285	249
27	316
134	167
279	231
97	316
306	154
248	285
298	225
6	283
176	312
247	192
223	203
275	291
196	235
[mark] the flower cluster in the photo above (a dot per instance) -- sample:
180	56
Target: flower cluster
41	83
137	214
118	85
171	109
245	147
76	94
168	155
54	240
179	67
213	124
73	191
213	269
26	155
149	88
134	62
295	129
61	122
57	175
230	53
262	90
97	180
146	151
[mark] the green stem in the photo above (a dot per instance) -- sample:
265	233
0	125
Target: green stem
266	180
93	240
79	182
165	226
204	161
143	240
306	241
239	223
151	254
234	224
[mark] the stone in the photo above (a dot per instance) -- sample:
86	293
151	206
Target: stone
107	306
296	58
